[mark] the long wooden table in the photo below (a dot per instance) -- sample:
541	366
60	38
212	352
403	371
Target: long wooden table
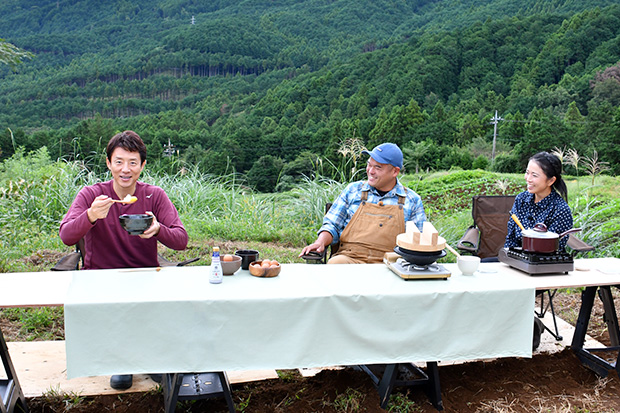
328	325
173	320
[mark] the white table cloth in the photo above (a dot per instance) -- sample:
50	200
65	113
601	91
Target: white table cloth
173	320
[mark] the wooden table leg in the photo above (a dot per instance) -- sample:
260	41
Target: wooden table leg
386	385
171	384
429	381
433	387
599	365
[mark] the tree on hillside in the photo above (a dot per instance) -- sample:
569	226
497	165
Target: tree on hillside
415	153
265	173
12	55
542	132
606	85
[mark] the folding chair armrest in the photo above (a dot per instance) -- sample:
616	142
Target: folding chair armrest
578	245
469	242
69	262
189	261
314	257
163	262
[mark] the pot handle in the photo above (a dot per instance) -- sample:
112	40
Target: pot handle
569	231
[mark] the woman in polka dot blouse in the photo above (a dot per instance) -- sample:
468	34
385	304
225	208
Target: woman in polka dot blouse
544	201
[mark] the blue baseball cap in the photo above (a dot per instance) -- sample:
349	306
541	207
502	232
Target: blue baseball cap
388	153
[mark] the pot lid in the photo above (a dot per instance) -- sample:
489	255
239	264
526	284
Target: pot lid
539	231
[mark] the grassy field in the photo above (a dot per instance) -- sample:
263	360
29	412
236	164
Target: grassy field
35	193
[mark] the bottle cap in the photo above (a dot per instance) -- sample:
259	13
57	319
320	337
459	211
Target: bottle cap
216	249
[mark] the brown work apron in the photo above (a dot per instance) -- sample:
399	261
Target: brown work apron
372	230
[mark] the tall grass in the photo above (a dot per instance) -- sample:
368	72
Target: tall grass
36	192
307	201
600	223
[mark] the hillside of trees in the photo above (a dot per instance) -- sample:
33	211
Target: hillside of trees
276	90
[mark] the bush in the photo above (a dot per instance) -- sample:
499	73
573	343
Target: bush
506	163
265	172
454	156
481	162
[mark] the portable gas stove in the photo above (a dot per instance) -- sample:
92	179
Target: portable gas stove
409	271
537	263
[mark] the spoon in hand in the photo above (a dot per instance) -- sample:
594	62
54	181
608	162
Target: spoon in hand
127	200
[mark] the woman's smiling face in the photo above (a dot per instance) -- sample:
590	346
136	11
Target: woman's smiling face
537	182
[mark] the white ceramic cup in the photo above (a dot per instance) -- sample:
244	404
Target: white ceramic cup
468	264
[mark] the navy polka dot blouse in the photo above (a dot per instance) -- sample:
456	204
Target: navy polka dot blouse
552	211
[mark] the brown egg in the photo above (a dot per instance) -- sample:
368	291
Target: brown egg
227	257
266	264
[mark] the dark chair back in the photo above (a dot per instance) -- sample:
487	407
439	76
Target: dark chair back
491	215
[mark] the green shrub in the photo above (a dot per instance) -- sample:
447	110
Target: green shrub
481	162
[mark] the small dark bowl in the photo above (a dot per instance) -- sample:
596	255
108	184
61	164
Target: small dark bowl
247	256
135	224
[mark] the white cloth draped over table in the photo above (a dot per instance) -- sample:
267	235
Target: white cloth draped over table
173	320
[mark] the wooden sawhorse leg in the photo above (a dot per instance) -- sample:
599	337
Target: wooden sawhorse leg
11	394
429	381
586	355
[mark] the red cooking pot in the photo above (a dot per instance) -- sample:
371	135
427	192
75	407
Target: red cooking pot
538	239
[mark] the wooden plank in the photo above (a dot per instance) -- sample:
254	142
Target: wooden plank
41	367
412	233
403	242
429	234
426	241
411	227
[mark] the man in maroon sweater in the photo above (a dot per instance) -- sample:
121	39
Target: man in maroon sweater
94	217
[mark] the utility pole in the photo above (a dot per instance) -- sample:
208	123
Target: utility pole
193	20
494	121
169	149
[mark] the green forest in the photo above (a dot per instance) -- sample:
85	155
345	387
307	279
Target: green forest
278	90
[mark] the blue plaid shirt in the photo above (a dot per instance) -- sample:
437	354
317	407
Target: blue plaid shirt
349	200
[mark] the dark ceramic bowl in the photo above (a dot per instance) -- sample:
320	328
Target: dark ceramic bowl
135	224
247	256
420	258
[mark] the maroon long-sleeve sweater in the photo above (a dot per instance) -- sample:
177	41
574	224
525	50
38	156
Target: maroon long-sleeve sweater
107	244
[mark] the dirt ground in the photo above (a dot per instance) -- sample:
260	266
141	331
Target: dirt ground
545	383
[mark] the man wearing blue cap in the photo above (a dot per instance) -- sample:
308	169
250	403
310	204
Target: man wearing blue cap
368	215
